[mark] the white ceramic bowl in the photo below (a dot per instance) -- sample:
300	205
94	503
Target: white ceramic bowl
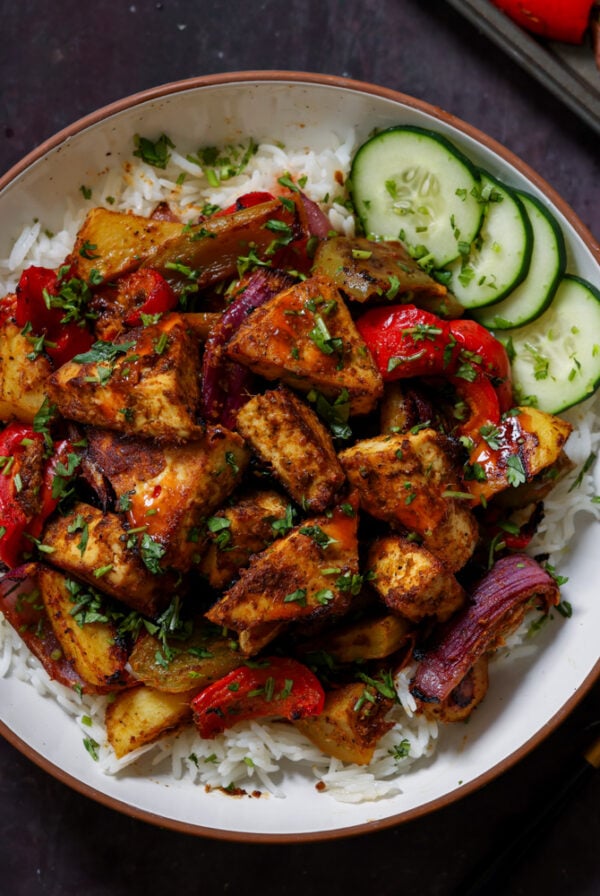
528	698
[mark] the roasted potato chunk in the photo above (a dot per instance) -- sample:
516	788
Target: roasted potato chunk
411	581
463	699
525	444
196	661
410	480
306	337
23	380
145	383
247	527
91	647
288	437
142	715
350	725
120	240
292	580
96	547
169	490
380	271
371	638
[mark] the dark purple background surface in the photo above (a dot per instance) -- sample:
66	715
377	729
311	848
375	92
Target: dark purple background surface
61	60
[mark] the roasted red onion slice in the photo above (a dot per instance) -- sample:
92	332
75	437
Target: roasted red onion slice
21	603
316	221
225	384
496	608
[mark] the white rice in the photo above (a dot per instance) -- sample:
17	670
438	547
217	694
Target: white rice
257	756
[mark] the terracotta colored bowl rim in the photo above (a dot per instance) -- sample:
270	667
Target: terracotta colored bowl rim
585	235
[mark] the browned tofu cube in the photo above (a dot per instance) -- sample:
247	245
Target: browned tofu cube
168	490
145	383
97	548
241	530
308	574
91	647
350	725
23	379
141	716
411	581
306	337
290	440
410	481
113	243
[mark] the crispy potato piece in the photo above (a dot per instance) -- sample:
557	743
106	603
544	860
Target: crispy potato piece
412	581
372	638
93	546
22	380
349	726
93	648
149	387
367	270
198	660
289	438
142	715
247	530
409	480
306	337
170	489
290	580
530	442
113	243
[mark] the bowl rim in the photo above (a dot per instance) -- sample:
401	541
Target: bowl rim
346	84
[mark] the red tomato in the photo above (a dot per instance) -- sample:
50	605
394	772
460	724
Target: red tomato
564	20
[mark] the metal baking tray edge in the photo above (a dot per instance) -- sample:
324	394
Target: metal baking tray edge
569	72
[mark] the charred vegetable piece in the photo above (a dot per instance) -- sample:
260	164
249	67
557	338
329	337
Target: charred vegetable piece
465	697
369	270
88	641
22	606
274	687
182	664
372	638
498	604
206	253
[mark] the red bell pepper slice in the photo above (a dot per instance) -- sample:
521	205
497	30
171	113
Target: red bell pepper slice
149	292
277	686
406	341
15	523
478	347
62	340
563	20
246	201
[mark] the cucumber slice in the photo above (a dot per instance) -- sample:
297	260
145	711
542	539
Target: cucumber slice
547	266
555	359
500	255
411	184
